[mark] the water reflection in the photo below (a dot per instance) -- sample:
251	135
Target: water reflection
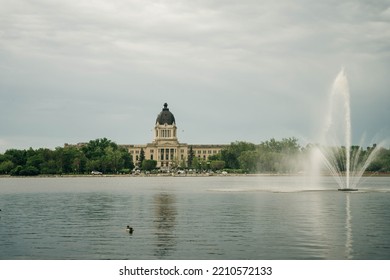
184	220
165	223
348	228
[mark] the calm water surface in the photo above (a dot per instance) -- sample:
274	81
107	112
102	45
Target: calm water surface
254	217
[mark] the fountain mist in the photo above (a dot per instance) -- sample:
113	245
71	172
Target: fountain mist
345	162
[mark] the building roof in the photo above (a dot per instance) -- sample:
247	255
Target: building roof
165	116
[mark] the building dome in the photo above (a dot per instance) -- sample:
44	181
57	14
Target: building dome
165	117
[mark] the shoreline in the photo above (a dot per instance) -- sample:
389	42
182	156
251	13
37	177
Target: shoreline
375	174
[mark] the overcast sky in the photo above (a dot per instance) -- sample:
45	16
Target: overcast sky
76	70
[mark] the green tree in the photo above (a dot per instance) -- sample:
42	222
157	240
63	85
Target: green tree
141	157
217	156
34	158
95	149
279	156
381	163
49	167
111	160
6	166
231	154
93	164
100	154
217	165
195	164
29	171
106	156
191	156
149	164
16	170
70	160
286	145
249	160
18	157
182	164
127	158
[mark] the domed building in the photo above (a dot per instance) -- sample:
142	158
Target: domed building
165	128
166	148
165	117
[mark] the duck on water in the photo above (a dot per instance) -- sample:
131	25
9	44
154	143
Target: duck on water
129	229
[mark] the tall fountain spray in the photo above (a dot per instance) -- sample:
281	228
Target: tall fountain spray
345	163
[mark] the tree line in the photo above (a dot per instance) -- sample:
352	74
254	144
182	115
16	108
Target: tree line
270	156
285	156
100	154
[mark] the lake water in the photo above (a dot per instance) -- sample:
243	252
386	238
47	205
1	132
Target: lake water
245	217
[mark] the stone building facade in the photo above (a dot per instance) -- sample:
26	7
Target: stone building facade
166	148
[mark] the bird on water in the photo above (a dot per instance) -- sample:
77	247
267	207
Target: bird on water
129	229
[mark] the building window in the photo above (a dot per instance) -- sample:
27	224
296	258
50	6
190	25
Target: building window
151	157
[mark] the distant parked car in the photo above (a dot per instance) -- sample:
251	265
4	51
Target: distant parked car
94	172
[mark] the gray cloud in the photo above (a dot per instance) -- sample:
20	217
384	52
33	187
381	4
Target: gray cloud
249	70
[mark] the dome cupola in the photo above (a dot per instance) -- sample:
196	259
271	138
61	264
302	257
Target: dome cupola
165	116
165	128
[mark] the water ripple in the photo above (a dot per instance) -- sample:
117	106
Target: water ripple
186	218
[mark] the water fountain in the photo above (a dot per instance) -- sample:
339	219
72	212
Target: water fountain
346	163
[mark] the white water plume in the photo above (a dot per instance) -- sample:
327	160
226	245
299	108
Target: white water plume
345	162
